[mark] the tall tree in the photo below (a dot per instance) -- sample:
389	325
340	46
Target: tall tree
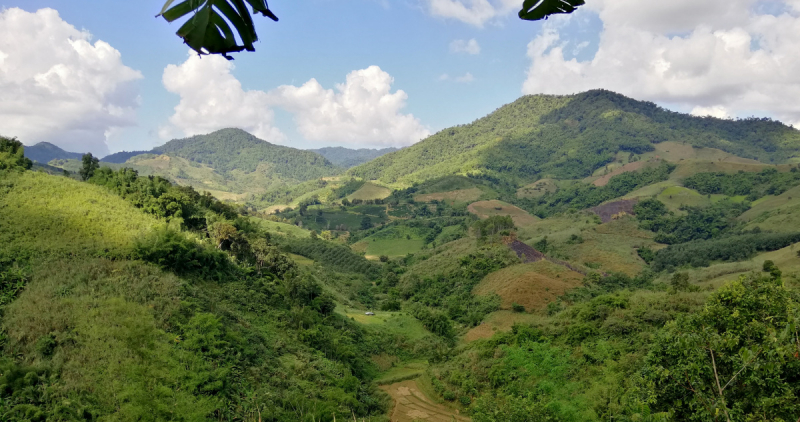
90	164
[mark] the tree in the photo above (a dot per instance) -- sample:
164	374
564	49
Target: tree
208	30
12	155
737	359
90	164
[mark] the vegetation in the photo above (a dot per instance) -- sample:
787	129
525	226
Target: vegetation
346	158
750	184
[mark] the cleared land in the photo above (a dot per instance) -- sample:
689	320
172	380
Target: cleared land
531	285
461	195
611	210
500	321
602	181
486	209
537	189
412	405
677	151
370	191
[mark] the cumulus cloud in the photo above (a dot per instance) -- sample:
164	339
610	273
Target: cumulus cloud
723	59
360	112
473	12
467	78
464	46
58	86
212	98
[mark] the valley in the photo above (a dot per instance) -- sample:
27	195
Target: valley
565	258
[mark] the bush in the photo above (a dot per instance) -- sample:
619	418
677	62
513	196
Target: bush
173	251
516	307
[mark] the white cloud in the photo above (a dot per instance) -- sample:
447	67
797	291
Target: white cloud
711	66
444	77
473	12
464	46
212	98
56	86
361	112
467	78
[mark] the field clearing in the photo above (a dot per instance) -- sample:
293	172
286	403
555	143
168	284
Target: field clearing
398	323
279	228
370	191
562	225
397	373
374	248
531	285
412	405
537	189
486	209
686	169
446	260
676	196
651	190
461	195
783	202
603	180
499	321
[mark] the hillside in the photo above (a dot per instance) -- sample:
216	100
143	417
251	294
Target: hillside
569	137
346	157
44	152
122	156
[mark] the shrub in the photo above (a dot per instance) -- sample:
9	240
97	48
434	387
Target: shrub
173	251
516	307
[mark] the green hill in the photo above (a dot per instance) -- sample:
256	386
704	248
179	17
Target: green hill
346	157
568	137
231	150
44	152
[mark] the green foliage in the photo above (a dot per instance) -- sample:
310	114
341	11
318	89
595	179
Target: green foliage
494	225
751	184
698	223
581	196
345	157
736	359
348	188
12	155
207	32
172	250
89	164
734	247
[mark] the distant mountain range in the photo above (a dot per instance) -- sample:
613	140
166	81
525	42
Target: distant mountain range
44	152
346	157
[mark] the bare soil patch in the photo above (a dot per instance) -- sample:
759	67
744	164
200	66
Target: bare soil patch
411	404
608	211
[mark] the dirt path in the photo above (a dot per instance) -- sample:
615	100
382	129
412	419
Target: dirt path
411	405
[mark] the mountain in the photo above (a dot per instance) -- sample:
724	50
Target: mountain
346	157
43	152
569	137
123	156
234	150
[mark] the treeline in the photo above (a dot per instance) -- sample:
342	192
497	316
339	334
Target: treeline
734	247
581	196
751	184
698	223
12	155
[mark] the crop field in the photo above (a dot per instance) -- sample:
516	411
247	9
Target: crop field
531	285
537	189
413	405
391	247
486	209
370	191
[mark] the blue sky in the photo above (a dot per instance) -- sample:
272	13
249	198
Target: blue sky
693	62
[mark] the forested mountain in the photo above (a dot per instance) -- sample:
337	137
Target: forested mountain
572	136
229	150
43	152
346	157
123	156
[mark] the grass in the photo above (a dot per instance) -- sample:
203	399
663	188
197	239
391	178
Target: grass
537	189
676	196
407	370
486	209
397	323
300	260
50	215
370	191
281	229
444	259
461	195
776	213
393	247
498	322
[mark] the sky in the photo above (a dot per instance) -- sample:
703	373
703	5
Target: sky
107	76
